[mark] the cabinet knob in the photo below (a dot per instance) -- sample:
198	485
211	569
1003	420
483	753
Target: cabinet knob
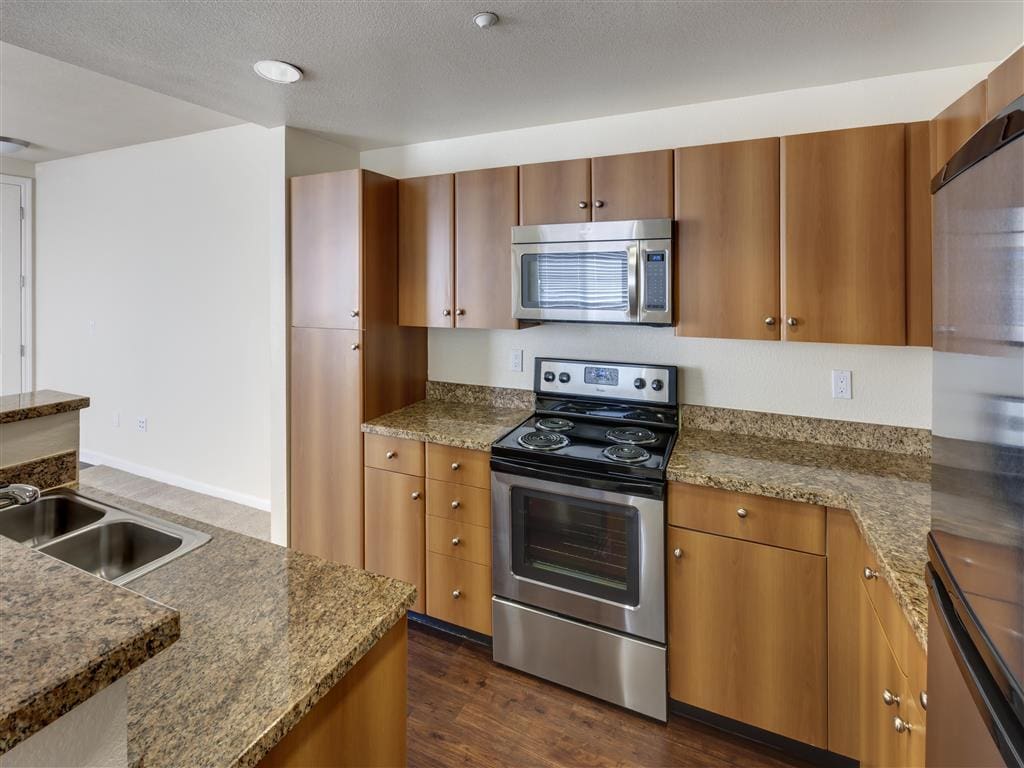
455	466
677	553
869	573
599	203
460	312
791	322
390	455
741	512
354	313
583	203
456	541
415	495
769	320
889	698
923	698
446	312
355	347
901	725
456	594
456	504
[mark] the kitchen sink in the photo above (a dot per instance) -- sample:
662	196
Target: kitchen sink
113	543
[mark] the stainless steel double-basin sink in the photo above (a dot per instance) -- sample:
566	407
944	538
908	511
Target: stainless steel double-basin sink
112	543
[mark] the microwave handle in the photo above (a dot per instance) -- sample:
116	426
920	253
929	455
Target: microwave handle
631	278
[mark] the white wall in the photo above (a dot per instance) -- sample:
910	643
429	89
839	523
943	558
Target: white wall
890	385
153	298
12	166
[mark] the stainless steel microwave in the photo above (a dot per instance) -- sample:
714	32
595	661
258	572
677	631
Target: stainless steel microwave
594	272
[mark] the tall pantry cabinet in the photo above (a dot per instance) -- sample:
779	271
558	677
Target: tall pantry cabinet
349	360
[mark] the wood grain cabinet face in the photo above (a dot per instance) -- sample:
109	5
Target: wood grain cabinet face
486	209
844	565
727	213
555	193
326	445
459	592
1005	84
919	237
746	632
844	261
395	528
633	186
426	251
393	454
455	501
459	465
956	124
325	257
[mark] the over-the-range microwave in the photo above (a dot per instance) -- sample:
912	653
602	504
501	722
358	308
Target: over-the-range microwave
594	272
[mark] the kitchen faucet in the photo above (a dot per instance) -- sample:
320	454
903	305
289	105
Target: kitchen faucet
17	493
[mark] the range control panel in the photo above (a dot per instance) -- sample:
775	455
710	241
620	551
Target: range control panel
617	381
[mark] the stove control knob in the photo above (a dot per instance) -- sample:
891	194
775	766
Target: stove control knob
657	385
639	383
564	377
549	376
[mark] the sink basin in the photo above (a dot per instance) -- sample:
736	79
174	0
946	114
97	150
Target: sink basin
47	518
113	543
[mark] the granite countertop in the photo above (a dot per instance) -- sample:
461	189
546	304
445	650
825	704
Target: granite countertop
44	402
888	495
462	425
266	632
64	636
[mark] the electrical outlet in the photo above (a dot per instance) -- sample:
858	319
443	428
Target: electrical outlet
141	423
842	385
516	361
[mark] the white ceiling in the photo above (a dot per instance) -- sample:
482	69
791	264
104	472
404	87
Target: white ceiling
386	73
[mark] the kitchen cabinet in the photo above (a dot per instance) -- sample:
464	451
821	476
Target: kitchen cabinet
955	124
843	259
746	632
426	251
632	186
464	503
844	566
727	214
393	454
919	236
395	528
555	193
486	209
1005	84
459	592
459	465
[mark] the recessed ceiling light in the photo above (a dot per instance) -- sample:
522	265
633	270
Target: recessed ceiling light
485	19
277	71
9	146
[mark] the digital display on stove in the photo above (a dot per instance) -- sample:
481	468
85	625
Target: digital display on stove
604	377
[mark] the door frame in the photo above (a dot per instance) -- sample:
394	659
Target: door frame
28	272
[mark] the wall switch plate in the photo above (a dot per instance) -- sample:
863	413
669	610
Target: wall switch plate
516	361
842	385
141	423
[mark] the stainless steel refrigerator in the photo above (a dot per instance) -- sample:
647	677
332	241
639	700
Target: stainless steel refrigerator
975	696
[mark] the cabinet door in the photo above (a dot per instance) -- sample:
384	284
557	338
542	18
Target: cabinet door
634	186
555	193
395	523
919	237
326	499
485	212
747	632
881	746
844	566
955	124
843	258
727	213
325	271
1005	84
426	251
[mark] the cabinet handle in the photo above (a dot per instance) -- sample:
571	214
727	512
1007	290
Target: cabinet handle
354	313
791	322
446	312
870	574
456	541
355	347
769	320
901	725
455	466
741	512
456	594
415	495
923	698
677	553
456	504
390	455
460	312
583	203
889	698
599	203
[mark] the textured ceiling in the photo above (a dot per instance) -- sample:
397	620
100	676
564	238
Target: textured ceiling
387	73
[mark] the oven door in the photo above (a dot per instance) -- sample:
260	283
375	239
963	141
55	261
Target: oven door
593	282
588	553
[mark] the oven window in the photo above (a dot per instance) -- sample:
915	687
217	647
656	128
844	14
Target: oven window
596	281
586	546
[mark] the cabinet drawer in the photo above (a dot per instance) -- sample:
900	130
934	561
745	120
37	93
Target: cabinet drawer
459	540
459	502
459	465
394	454
894	623
781	523
459	592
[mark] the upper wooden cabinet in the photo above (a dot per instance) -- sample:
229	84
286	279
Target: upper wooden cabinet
1005	84
325	254
554	193
955	124
844	261
426	251
486	209
633	186
919	236
727	214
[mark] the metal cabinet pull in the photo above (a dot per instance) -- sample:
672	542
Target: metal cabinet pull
769	320
677	553
460	312
415	495
446	312
923	698
456	541
889	698
791	322
455	466
583	203
355	347
354	313
901	725
456	504
390	455
870	574
599	203
741	512
456	594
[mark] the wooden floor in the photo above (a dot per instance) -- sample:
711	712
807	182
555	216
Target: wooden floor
466	710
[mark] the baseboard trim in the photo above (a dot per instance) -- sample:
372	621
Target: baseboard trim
96	458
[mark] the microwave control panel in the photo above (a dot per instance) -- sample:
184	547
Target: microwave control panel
656	281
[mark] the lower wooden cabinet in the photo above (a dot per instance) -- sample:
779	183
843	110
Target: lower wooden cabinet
746	632
395	514
459	592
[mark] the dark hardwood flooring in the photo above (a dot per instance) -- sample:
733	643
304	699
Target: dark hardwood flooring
466	710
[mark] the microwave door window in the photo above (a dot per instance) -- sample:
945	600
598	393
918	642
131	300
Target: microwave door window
593	281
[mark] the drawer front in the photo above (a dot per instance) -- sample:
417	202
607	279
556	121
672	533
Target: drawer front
459	540
459	502
394	454
471	608
898	631
459	465
777	522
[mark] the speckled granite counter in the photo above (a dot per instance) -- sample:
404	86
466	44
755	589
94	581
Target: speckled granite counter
64	636
32	405
888	495
266	632
462	425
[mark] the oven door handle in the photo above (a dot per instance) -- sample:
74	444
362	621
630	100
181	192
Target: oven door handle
654	490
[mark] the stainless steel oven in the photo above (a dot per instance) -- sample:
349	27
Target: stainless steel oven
594	272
